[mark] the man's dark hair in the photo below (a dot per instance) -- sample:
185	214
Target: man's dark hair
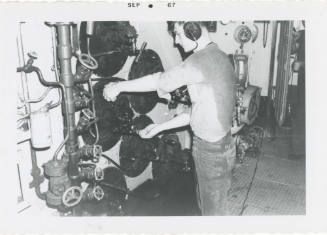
171	25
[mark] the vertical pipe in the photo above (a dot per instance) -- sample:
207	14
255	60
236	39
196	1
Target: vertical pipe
283	71
67	79
270	113
35	169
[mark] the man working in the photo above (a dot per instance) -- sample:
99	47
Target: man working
210	79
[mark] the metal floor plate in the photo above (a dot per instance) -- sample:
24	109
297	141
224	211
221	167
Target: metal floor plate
281	171
278	187
275	199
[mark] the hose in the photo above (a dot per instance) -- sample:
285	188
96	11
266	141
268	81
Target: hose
114	163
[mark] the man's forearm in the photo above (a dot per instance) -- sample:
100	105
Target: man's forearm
143	84
178	121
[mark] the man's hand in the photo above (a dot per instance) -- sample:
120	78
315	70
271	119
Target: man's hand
111	91
150	131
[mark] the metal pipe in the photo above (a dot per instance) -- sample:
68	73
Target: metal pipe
67	79
28	68
55	156
94	111
35	167
54	54
58	102
36	173
41	78
51	84
42	97
45	93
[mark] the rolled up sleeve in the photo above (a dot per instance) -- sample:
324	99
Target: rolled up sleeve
176	77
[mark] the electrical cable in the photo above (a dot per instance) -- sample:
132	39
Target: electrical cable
244	206
254	173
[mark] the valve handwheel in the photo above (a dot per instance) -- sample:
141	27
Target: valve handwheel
98	193
88	61
72	196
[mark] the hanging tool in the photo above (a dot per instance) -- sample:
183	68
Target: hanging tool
265	33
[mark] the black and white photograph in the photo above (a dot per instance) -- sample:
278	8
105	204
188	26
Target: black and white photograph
162	118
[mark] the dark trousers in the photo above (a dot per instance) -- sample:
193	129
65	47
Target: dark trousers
213	165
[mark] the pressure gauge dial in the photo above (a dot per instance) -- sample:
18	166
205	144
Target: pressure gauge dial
242	34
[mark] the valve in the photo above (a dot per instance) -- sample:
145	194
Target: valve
72	196
59	181
95	193
82	74
81	98
91	151
86	120
91	172
88	61
27	68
